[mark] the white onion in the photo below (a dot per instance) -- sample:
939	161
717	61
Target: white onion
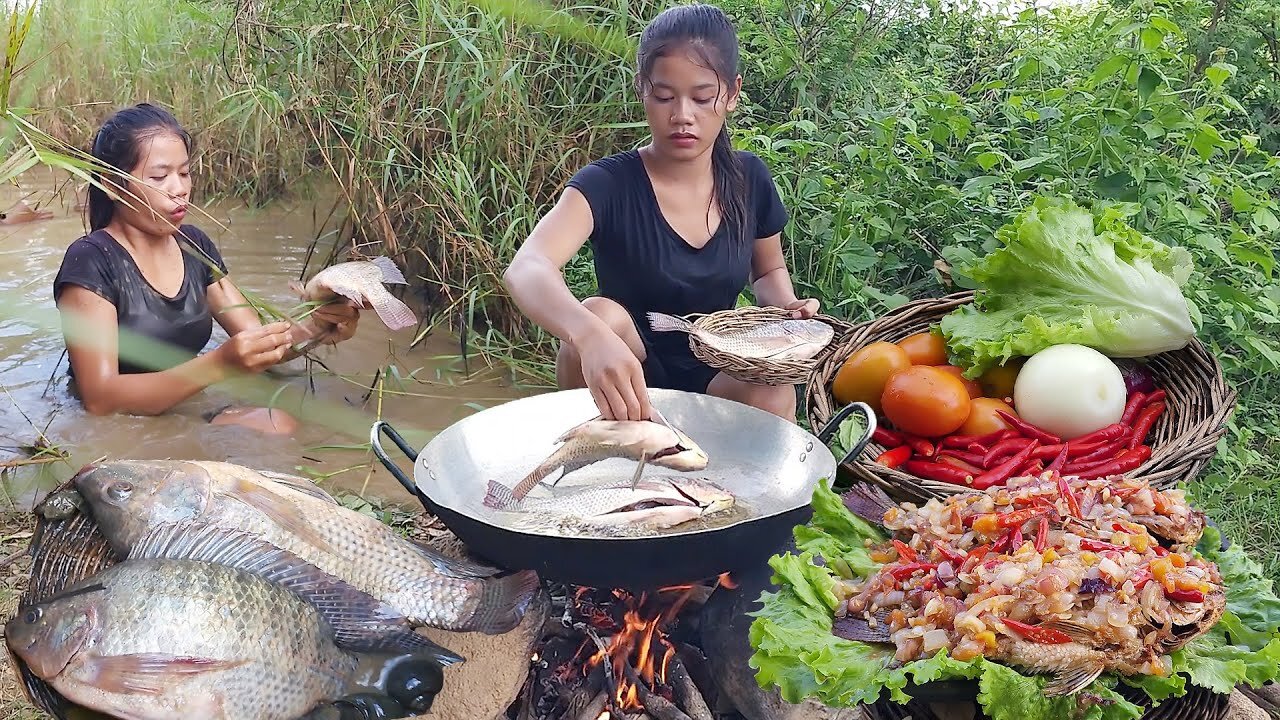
1069	390
935	640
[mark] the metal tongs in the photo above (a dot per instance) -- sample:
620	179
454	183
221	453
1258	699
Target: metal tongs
644	457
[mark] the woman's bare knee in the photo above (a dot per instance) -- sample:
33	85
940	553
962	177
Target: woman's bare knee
569	368
777	399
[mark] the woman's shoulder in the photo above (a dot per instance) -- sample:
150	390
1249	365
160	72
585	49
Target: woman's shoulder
89	262
754	166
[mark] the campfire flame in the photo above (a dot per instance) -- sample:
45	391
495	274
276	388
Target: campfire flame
641	642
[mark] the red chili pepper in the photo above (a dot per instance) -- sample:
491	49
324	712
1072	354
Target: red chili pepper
1029	430
977	448
956	557
1002	543
905	552
894	457
1102	453
1004	448
1046	452
1131	408
1033	633
974	459
963	441
1018	518
1001	472
1075	450
922	446
1142	426
929	582
973	470
905	571
1016	541
1141	577
1106	434
1058	463
886	437
1042	534
1031	467
1128	460
937	471
1153	398
1194	596
1073	502
1098	545
1159	550
977	553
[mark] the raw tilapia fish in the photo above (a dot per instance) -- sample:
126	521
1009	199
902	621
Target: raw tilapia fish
134	499
773	340
1053	575
645	441
655	503
360	281
162	639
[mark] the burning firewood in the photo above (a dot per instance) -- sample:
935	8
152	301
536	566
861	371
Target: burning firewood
686	692
656	705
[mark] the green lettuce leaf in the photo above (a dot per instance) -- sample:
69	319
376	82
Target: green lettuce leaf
795	651
1063	276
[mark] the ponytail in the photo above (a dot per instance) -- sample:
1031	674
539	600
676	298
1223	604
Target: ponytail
730	186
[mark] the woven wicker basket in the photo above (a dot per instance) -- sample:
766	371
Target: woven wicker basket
1197	704
759	371
1182	440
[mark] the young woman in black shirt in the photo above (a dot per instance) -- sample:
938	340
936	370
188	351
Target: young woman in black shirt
678	226
131	272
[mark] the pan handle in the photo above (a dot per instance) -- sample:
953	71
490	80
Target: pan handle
382	426
829	430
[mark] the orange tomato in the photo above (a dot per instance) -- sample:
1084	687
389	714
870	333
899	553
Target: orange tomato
975	390
983	419
863	375
998	381
925	348
925	401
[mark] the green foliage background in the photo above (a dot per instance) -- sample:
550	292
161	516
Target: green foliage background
901	133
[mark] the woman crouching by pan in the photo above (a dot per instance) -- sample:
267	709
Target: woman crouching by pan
132	273
678	226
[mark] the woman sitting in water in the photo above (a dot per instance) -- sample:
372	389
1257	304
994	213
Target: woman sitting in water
132	272
678	226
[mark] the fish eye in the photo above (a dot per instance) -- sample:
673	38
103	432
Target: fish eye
33	616
120	491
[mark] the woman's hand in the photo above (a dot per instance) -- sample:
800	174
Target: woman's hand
615	377
803	309
256	349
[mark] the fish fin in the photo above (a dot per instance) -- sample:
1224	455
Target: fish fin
571	432
868	502
453	567
1069	681
302	485
498	496
635	479
148	673
359	621
859	630
392	311
390	271
1082	634
503	602
297	288
280	510
662	322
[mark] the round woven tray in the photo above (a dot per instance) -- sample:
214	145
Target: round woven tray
1182	440
1197	704
758	371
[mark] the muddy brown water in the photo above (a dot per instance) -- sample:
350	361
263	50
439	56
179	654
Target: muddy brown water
264	250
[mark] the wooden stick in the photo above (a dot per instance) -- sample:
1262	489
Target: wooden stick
656	705
690	697
595	707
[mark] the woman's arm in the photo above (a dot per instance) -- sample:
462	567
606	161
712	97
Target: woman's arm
535	280
771	282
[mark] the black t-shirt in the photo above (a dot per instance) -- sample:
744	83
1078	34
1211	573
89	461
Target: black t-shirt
100	264
644	265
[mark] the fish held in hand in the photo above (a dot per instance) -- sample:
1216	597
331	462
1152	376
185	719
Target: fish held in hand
362	282
787	339
133	500
159	639
655	503
645	441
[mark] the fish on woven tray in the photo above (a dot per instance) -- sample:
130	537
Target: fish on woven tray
362	282
655	503
1033	587
785	339
645	441
133	499
157	639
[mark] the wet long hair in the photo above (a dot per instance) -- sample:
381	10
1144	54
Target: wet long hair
118	143
706	30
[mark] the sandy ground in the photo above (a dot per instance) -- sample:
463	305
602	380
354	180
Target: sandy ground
15	532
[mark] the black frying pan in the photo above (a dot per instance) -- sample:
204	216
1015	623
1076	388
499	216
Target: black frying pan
768	463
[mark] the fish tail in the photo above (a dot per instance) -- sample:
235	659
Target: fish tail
498	496
390	271
859	629
868	502
662	322
391	310
503	602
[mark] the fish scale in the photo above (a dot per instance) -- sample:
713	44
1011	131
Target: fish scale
657	502
787	339
263	653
